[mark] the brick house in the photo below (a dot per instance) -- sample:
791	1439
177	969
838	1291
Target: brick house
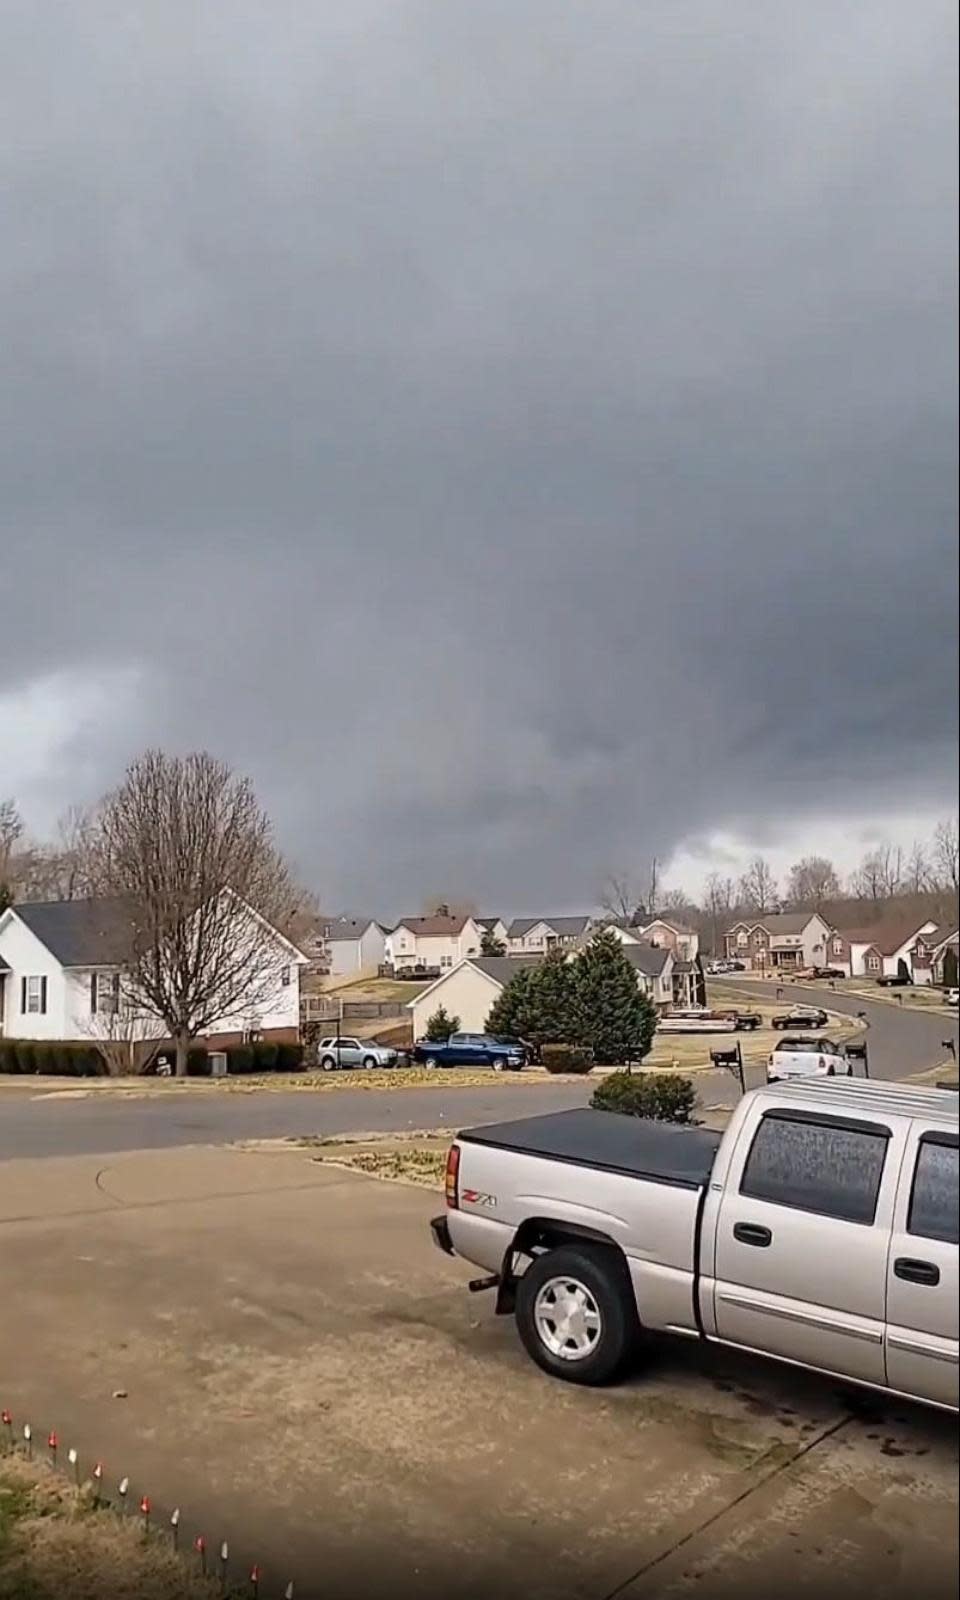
782	941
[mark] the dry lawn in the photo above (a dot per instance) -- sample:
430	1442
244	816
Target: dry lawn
55	1545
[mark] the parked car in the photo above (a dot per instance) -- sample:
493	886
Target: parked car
820	1229
829	972
808	1058
335	1053
952	997
471	1050
746	1021
894	980
800	1017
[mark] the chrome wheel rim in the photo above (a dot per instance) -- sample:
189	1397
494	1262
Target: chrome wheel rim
567	1319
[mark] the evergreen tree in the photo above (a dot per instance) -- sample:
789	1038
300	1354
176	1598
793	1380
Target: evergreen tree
536	1004
509	1013
611	1013
440	1026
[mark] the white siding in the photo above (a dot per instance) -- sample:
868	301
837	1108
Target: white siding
465	993
28	958
351	957
405	948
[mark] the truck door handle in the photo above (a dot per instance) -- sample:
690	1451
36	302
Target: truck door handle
916	1271
752	1233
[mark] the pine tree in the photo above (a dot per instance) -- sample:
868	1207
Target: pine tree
509	1013
611	1013
440	1026
536	1004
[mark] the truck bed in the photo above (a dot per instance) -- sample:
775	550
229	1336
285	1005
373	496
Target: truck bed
614	1143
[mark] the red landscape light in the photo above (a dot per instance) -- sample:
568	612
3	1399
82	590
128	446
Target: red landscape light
451	1187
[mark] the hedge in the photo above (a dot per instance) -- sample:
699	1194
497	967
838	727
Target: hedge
243	1059
54	1058
565	1058
646	1094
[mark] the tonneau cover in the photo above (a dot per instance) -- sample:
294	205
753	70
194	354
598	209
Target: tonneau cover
606	1139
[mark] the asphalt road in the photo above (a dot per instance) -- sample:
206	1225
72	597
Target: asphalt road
900	1043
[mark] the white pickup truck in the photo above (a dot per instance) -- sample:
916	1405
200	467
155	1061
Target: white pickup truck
819	1229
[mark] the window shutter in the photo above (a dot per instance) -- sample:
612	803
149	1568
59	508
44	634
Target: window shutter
93	994
23	997
43	997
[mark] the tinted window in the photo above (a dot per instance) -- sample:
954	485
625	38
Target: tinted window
829	1168
934	1203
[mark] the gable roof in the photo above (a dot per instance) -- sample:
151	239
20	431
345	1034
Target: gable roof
434	925
650	959
563	927
334	928
488	922
774	922
668	922
499	969
81	933
887	937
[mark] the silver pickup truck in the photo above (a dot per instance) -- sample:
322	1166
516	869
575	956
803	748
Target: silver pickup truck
819	1229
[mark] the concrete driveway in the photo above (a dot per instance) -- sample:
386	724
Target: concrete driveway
306	1376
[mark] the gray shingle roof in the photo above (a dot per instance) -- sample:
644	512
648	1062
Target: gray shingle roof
335	928
775	922
502	968
81	933
650	959
563	927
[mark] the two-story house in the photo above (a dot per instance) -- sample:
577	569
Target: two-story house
355	946
537	936
876	951
432	944
62	967
781	941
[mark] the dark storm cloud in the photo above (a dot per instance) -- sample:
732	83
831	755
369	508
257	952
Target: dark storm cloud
521	435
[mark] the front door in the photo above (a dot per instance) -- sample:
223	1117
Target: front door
922	1286
802	1243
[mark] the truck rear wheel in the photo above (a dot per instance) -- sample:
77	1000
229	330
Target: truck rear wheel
575	1314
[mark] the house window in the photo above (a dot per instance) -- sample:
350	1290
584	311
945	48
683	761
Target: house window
741	937
446	961
286	977
838	947
33	997
873	963
104	993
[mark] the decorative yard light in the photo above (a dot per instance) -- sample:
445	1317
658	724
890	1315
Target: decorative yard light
28	1440
145	1512
74	1461
175	1527
97	1476
224	1558
254	1581
6	1417
52	1445
122	1489
200	1546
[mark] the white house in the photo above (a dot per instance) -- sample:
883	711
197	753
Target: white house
469	990
783	941
61	964
432	943
355	946
536	936
877	951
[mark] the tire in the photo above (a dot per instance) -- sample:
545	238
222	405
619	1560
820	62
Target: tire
498	1064
431	1063
369	1061
591	1285
328	1064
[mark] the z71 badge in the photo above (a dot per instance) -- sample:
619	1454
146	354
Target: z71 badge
473	1197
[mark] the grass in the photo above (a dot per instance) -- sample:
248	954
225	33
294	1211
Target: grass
56	1545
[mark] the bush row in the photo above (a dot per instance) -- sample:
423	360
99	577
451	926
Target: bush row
51	1057
248	1058
646	1094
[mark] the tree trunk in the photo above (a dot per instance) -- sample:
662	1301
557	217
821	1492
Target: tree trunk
182	1045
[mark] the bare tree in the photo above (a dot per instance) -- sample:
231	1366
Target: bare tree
185	848
945	855
126	1037
758	887
620	896
917	875
880	874
812	881
718	897
11	831
674	900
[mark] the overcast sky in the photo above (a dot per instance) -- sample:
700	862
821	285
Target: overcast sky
520	434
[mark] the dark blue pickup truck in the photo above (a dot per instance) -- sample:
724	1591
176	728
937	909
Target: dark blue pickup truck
471	1050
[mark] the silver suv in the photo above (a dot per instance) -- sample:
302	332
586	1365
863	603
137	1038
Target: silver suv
335	1053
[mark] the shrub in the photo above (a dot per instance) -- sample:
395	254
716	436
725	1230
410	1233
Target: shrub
566	1058
54	1057
241	1059
198	1061
289	1057
440	1026
645	1094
